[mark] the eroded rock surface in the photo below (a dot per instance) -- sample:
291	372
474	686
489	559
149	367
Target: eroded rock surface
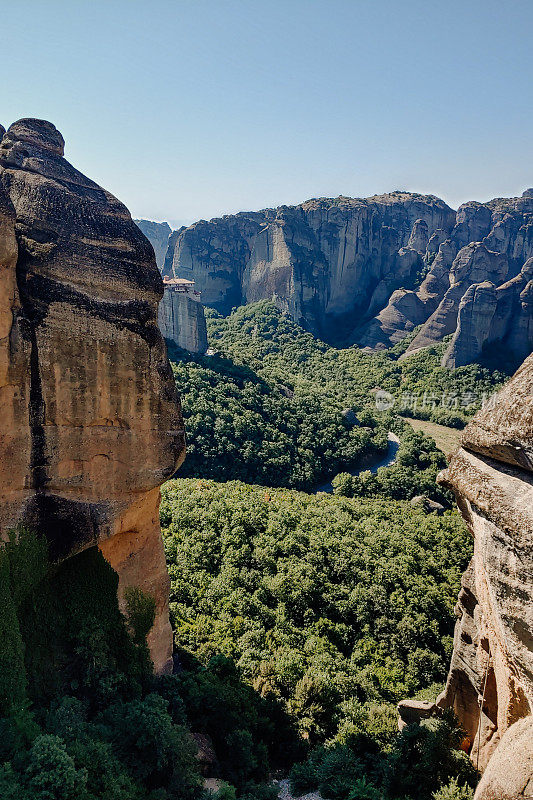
490	683
90	423
326	262
371	271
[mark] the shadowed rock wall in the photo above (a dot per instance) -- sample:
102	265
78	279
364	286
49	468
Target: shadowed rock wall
158	234
91	425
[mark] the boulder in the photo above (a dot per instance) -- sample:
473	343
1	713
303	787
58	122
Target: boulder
350	417
429	506
413	711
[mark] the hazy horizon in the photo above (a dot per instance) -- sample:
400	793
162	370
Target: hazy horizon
190	111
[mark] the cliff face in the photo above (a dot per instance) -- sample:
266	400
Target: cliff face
326	262
492	663
91	425
182	321
347	269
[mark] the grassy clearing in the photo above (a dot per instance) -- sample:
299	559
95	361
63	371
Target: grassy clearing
446	439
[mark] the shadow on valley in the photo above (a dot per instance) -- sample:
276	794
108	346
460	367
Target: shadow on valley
81	715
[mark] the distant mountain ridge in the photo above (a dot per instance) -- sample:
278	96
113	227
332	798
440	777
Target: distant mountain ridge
370	271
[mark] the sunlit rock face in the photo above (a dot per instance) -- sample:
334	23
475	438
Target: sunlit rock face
330	263
370	271
182	321
91	424
492	477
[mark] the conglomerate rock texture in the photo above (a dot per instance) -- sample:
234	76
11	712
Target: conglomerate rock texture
91	424
490	684
371	271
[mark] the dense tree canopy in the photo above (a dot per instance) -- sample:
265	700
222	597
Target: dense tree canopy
270	406
332	609
316	598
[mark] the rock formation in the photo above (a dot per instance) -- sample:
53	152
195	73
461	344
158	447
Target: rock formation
477	288
371	271
182	319
90	424
326	262
490	683
158	234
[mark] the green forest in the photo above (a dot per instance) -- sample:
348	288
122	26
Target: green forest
329	607
270	406
300	618
332	608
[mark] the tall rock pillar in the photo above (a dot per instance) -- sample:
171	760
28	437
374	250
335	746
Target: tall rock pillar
91	424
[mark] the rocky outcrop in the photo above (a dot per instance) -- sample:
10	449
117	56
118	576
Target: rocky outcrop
477	288
182	321
490	314
371	271
90	421
490	684
158	234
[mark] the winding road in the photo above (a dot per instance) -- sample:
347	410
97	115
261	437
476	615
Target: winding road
384	461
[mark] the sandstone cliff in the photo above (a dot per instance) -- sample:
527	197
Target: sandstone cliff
370	271
90	421
490	684
326	262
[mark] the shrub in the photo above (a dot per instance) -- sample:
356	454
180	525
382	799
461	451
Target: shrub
338	772
363	790
454	791
425	757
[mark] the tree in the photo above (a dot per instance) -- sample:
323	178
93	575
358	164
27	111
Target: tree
51	773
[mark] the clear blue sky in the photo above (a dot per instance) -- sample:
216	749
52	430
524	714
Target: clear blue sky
194	108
